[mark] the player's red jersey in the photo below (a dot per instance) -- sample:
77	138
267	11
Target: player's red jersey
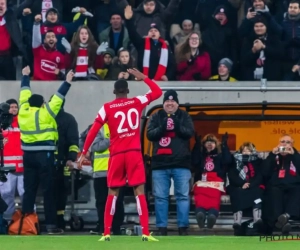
123	117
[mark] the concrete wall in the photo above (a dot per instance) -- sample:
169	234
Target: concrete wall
85	98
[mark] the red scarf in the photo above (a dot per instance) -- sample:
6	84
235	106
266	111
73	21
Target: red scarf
165	141
82	63
163	61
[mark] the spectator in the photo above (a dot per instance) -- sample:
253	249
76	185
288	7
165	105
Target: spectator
13	156
282	170
83	54
11	43
108	56
61	29
154	57
49	63
170	130
151	11
224	70
261	54
119	68
187	27
259	8
38	7
193	63
103	10
116	35
204	9
219	39
209	179
291	38
245	185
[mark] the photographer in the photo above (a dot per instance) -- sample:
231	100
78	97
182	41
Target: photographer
13	156
282	172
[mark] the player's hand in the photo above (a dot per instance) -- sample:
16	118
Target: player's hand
137	74
70	76
38	18
26	11
81	159
26	71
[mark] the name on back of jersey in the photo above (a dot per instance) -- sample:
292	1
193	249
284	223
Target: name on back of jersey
121	104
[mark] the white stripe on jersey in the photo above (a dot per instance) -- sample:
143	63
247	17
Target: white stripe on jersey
143	99
102	113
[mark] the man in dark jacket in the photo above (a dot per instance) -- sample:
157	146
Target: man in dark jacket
155	59
282	172
67	150
170	130
11	43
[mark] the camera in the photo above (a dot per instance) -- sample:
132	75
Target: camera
282	149
5	121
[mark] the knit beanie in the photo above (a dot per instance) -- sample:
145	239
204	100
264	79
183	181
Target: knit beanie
36	101
51	10
154	26
171	95
12	101
227	62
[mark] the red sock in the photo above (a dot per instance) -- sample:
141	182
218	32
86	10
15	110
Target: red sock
109	213
142	209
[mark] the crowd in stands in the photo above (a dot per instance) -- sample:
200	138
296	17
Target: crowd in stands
169	40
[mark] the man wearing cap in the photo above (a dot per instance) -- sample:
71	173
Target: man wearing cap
155	59
13	156
224	70
108	56
116	34
170	130
38	141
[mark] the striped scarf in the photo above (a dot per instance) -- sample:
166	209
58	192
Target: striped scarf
82	62
241	160
163	61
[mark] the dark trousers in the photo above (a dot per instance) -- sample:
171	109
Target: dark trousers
101	192
7	68
39	169
62	189
3	206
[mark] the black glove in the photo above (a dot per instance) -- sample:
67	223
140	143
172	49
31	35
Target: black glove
164	124
224	139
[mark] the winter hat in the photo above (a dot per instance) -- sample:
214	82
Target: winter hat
147	1
12	101
220	9
227	62
171	95
154	26
260	19
36	101
110	52
51	10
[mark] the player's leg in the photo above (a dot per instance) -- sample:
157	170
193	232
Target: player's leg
116	178
136	178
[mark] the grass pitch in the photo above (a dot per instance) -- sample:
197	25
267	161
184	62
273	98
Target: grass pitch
134	243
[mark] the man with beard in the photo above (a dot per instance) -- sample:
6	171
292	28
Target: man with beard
48	63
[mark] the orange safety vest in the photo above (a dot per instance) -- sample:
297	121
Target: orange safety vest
13	154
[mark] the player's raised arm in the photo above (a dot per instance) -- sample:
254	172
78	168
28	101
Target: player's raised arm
97	125
156	91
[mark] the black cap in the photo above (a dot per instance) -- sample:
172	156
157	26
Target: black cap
12	101
154	26
36	101
260	19
220	9
51	10
171	95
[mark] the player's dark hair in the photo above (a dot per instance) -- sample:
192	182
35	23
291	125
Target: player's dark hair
121	86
